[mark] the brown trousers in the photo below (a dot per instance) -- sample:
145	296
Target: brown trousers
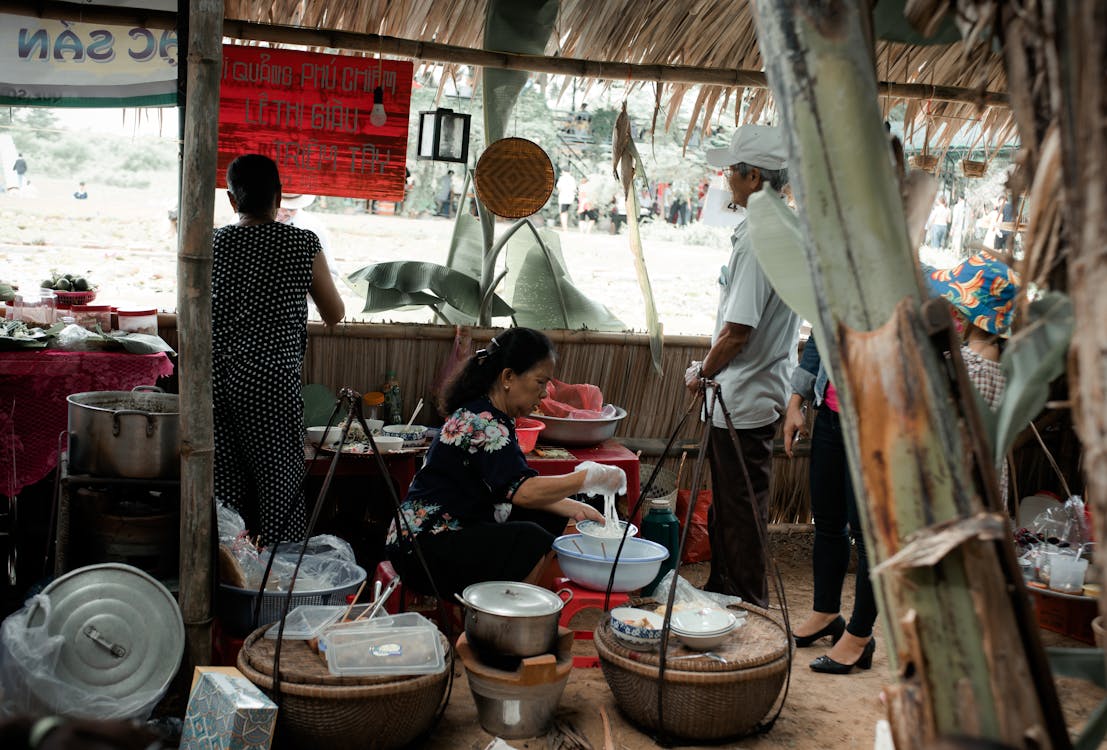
737	523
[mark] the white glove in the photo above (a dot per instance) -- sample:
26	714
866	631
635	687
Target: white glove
601	479
693	373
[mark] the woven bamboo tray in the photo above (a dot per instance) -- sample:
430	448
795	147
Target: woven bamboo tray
514	178
703	699
318	709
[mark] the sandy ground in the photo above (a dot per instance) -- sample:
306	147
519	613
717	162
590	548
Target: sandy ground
122	241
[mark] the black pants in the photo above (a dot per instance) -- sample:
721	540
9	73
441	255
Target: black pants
479	552
834	508
737	523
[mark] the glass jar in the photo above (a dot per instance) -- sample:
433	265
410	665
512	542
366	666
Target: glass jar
90	316
35	310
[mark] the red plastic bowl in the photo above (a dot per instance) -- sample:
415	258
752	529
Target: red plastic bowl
527	431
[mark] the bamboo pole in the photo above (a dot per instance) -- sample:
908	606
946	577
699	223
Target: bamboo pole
448	53
197	211
966	654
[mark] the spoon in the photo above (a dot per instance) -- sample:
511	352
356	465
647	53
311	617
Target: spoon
705	654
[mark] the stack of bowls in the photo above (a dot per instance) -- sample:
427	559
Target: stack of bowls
703	629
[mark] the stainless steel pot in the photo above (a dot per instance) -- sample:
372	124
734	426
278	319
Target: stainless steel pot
512	619
132	434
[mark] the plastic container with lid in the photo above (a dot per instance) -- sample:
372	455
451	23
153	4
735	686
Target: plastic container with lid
138	320
90	316
306	622
356	651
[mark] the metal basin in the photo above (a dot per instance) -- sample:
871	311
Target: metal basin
562	431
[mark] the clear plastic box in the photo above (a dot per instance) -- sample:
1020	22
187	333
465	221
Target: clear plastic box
306	622
371	651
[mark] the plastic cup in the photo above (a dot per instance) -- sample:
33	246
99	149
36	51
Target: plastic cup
1066	574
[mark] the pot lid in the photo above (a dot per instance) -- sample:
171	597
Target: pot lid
512	599
122	630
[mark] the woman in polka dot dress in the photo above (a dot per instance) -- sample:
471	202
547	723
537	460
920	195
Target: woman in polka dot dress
262	274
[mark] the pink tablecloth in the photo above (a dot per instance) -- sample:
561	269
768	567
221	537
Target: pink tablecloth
33	409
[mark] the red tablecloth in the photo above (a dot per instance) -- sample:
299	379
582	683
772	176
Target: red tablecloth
33	410
608	452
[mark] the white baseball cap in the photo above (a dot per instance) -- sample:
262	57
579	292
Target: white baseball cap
297	200
757	145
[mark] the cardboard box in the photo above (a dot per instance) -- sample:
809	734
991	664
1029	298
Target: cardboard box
227	712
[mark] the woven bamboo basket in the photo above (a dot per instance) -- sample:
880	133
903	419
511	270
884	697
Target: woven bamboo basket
704	699
925	162
973	168
318	709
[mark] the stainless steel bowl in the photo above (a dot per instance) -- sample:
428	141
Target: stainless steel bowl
562	431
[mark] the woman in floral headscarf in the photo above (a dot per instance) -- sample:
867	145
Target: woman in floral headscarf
478	511
982	291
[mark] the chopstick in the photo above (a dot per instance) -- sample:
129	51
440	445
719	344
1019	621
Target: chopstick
680	468
414	414
354	600
574	541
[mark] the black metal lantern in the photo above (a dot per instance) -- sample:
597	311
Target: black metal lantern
444	135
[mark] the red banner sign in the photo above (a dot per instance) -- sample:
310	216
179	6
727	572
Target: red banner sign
310	113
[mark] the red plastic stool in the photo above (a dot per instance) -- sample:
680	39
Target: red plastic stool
405	600
584	599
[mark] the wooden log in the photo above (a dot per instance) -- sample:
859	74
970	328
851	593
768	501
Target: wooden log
197	211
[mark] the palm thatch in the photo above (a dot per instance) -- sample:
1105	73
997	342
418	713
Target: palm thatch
704	34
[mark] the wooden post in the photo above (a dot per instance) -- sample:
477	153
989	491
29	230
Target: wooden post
966	656
201	137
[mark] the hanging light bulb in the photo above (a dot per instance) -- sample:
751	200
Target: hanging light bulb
377	117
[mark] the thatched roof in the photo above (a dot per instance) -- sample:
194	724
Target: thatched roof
706	34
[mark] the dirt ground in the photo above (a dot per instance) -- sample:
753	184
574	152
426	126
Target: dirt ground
821	711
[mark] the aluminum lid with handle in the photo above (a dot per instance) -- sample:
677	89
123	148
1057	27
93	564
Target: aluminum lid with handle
513	599
122	630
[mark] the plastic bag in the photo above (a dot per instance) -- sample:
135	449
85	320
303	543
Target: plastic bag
29	684
1062	525
698	546
688	596
568	401
75	338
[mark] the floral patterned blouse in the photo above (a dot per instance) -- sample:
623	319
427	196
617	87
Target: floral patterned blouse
472	471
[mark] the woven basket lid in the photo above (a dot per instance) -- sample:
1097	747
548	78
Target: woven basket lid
761	640
514	178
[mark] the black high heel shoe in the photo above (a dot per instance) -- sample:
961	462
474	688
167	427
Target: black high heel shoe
834	629
829	666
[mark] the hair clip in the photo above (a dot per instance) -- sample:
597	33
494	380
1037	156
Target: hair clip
481	355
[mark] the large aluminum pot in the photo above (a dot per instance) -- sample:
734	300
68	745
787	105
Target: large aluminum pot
133	434
505	618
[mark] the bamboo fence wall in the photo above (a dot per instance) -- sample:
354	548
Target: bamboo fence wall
359	355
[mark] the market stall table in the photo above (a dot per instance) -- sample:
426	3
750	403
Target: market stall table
34	414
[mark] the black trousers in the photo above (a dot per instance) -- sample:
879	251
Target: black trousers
737	523
834	508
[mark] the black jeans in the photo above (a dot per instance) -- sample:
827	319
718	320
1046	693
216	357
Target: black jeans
834	508
737	523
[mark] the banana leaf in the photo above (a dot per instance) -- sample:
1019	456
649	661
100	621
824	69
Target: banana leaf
466	246
542	292
387	286
522	26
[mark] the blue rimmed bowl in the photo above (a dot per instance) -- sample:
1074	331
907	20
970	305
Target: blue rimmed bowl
637	628
638	564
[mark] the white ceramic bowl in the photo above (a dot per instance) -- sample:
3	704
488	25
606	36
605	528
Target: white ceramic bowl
315	434
639	563
637	636
703	629
594	544
387	443
413	436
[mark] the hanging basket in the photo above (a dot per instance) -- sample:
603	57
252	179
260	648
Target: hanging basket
974	168
925	162
514	178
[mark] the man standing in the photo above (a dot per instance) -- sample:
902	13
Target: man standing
566	196
20	169
444	194
753	352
